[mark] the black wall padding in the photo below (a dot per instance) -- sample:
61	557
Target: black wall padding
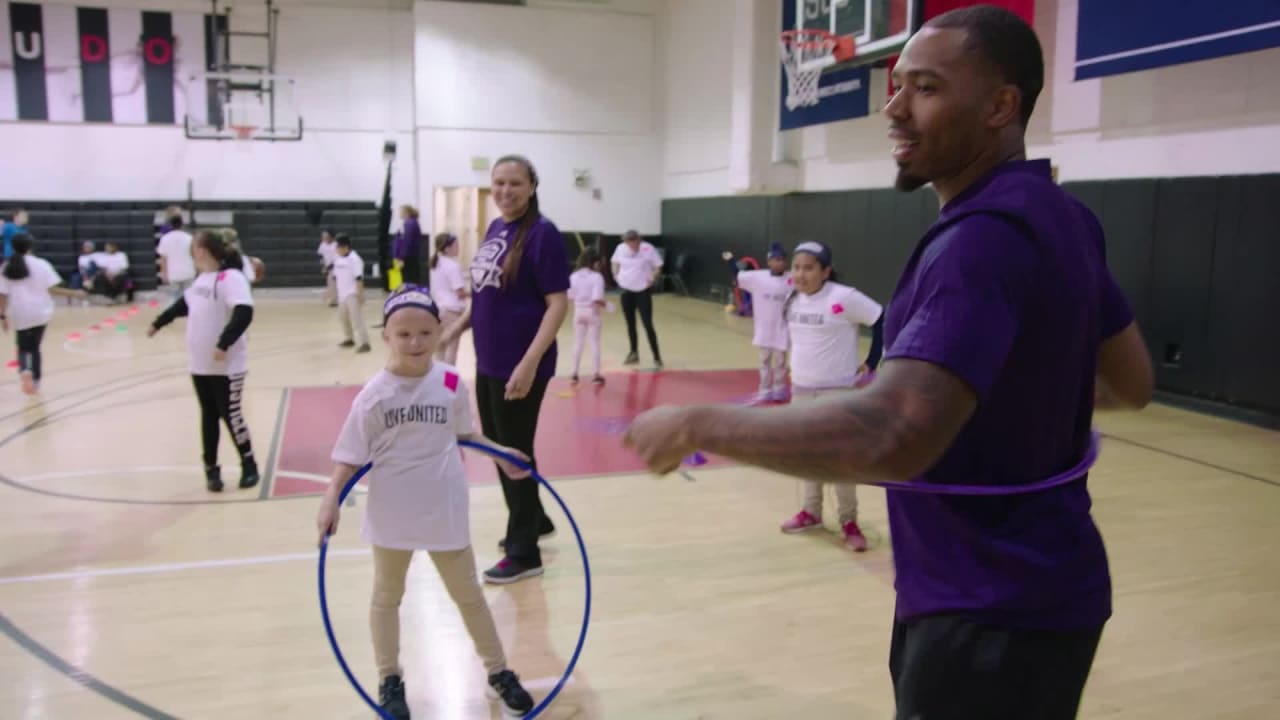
1198	258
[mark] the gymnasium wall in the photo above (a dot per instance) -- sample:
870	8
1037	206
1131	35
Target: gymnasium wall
571	88
354	89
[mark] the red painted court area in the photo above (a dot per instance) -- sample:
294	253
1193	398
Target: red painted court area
579	431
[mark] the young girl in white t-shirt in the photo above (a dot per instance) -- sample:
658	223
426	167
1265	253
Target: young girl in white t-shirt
407	420
218	306
769	290
586	291
27	286
823	318
448	289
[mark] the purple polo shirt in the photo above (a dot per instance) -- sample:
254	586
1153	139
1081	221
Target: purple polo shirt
1009	290
505	320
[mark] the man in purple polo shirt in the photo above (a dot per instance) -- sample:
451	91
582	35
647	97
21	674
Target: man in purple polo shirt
1005	332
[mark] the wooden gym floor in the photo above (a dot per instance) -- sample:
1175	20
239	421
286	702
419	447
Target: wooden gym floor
126	590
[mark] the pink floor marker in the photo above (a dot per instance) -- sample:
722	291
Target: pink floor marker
73	336
11	365
94	328
154	303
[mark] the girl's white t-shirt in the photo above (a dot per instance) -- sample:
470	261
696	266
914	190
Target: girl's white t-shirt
768	295
635	268
824	335
327	252
30	304
116	262
445	281
348	271
586	287
210	298
175	248
408	428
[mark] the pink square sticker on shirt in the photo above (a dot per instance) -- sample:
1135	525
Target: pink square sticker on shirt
451	381
837	308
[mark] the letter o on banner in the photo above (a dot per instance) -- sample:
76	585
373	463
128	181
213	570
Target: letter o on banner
159	51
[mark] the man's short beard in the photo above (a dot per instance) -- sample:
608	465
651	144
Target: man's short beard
906	182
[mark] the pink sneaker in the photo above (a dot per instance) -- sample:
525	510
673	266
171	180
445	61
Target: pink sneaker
853	538
801	522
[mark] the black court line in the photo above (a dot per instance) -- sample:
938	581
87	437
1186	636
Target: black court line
269	477
1196	461
77	675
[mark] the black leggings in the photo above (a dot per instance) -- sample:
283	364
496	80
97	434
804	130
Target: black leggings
514	423
219	397
951	668
642	301
29	351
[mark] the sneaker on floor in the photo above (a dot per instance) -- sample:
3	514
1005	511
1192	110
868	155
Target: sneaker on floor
347	343
28	382
780	396
364	348
505	687
853	538
248	475
213	478
391	698
508	571
801	522
631	359
573	380
597	380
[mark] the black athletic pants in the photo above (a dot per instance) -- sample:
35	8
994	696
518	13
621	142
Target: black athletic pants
219	397
951	668
642	301
29	350
514	423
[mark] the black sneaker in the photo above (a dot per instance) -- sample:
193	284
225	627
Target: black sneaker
347	343
597	380
364	348
391	698
213	478
508	571
632	359
505	686
248	475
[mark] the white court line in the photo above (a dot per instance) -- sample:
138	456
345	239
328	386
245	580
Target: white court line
67	474
175	567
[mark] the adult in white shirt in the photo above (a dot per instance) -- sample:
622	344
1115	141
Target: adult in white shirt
348	273
27	286
636	267
328	252
823	319
177	268
218	306
113	266
448	289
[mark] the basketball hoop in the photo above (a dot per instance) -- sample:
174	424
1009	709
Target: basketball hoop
243	132
805	54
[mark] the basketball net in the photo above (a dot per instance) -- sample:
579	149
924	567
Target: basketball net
805	54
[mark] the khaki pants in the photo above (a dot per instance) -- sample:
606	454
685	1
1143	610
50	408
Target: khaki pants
330	288
457	569
448	353
351	315
846	493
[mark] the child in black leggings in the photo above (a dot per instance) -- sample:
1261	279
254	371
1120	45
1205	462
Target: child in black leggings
27	286
218	307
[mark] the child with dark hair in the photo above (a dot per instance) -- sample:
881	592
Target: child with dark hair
348	273
27	286
586	290
448	288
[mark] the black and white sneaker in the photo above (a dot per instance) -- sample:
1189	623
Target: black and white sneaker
248	475
213	478
505	687
508	571
391	698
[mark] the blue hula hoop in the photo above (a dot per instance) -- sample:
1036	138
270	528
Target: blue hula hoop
586	572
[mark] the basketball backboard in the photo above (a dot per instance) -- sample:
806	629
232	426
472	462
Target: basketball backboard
244	105
879	28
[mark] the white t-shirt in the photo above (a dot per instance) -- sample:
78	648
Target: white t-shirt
824	335
445	282
635	268
30	304
408	428
210	298
586	287
83	261
347	271
768	294
112	263
175	248
327	252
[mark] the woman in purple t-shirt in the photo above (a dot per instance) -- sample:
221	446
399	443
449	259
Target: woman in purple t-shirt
519	290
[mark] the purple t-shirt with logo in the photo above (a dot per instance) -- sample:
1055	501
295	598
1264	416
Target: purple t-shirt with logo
504	321
1009	290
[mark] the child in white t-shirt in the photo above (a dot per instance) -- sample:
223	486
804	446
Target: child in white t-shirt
449	289
586	290
823	318
348	273
218	306
769	290
407	420
27	286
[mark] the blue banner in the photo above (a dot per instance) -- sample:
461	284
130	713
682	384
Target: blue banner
842	94
1122	37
